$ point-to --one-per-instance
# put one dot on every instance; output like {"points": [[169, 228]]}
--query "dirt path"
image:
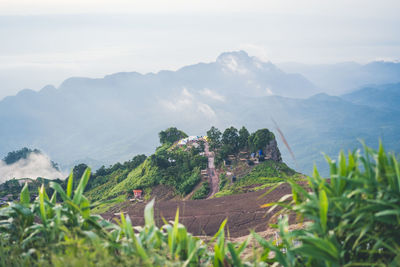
{"points": [[212, 174]]}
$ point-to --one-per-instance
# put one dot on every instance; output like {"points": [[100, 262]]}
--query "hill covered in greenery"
{"points": [[174, 171]]}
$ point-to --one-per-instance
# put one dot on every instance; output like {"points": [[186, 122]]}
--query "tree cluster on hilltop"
{"points": [[231, 141], [171, 135], [23, 153]]}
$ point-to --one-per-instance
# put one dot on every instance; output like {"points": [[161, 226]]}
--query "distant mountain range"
{"points": [[101, 121], [341, 78]]}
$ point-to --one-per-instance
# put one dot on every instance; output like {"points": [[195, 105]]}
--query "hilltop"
{"points": [[183, 167]]}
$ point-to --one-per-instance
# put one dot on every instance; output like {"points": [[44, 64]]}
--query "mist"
{"points": [[34, 166]]}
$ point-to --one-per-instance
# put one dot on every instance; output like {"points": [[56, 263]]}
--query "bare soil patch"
{"points": [[203, 217]]}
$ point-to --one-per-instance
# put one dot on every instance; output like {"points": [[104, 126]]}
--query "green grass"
{"points": [[101, 192], [265, 174], [145, 175], [181, 176], [103, 206], [203, 191]]}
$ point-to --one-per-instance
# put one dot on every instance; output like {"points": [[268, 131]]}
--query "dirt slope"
{"points": [[203, 217]]}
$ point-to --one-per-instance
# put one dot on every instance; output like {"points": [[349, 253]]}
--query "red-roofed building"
{"points": [[137, 193]]}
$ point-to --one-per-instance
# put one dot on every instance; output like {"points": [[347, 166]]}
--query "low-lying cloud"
{"points": [[186, 102], [35, 165], [212, 94]]}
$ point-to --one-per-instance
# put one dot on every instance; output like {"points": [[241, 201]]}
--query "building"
{"points": [[24, 180], [137, 193], [191, 140]]}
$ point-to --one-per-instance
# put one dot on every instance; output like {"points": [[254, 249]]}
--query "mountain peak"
{"points": [[48, 88], [235, 62], [239, 55]]}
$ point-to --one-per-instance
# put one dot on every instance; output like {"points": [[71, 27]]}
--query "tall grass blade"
{"points": [[57, 188], [42, 207], [25, 198], [70, 184], [323, 209], [149, 214], [81, 187]]}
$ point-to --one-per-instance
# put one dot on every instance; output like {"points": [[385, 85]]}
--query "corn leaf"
{"points": [[70, 184], [24, 196]]}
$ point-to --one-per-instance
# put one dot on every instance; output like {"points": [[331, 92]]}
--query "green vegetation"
{"points": [[176, 167], [66, 234], [265, 174], [259, 139], [105, 178], [104, 205], [14, 186], [353, 219], [179, 167], [222, 181], [214, 138], [100, 182], [24, 153], [171, 135], [203, 191], [231, 141], [243, 137]]}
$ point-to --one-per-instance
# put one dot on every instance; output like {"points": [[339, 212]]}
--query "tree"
{"points": [[15, 156], [214, 138], [171, 135], [260, 139], [78, 171], [102, 171], [243, 137], [135, 161], [230, 138]]}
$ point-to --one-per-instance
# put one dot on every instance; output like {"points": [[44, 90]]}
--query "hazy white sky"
{"points": [[46, 41], [359, 8]]}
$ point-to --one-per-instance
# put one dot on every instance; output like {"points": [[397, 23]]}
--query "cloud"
{"points": [[212, 94], [230, 63], [269, 91], [206, 110], [35, 165], [187, 103], [258, 51], [180, 103]]}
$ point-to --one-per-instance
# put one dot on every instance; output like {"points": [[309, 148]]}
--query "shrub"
{"points": [[353, 218], [222, 180], [187, 186], [202, 192]]}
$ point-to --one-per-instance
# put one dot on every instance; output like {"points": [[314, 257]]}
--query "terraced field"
{"points": [[203, 217]]}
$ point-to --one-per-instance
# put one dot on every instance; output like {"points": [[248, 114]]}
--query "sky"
{"points": [[46, 41]]}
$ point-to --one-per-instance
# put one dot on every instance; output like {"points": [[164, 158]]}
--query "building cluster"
{"points": [[192, 140]]}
